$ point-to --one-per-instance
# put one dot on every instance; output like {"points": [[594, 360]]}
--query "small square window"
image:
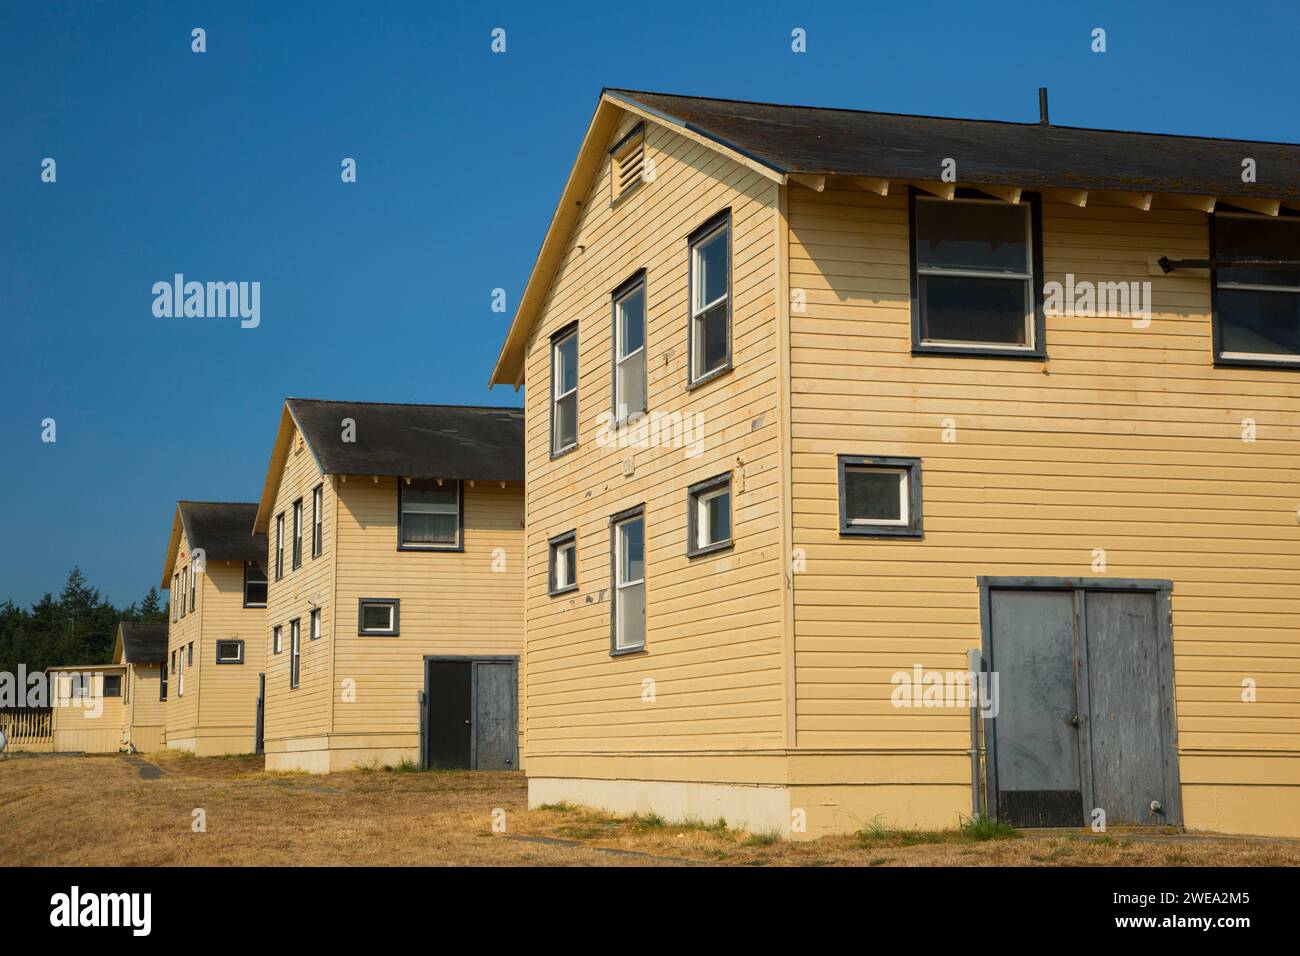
{"points": [[112, 685], [973, 269], [880, 497], [563, 563], [230, 652], [708, 516], [378, 616]]}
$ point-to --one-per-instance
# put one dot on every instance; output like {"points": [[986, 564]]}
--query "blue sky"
{"points": [[225, 166]]}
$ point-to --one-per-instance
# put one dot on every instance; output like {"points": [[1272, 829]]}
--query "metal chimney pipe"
{"points": [[1042, 107]]}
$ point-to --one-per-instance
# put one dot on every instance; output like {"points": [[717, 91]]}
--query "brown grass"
{"points": [[72, 811]]}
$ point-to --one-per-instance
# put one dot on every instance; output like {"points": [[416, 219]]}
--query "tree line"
{"points": [[77, 627]]}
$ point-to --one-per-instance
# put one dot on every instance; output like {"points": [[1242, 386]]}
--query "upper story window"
{"points": [[563, 563], [313, 630], [317, 520], [708, 518], [194, 581], [429, 514], [297, 534], [629, 347], [628, 606], [174, 599], [974, 291], [1257, 310], [185, 587], [254, 585], [709, 343], [564, 390], [162, 681], [627, 164], [112, 685], [279, 546], [277, 639]]}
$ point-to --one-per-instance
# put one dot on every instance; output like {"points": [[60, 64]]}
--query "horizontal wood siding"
{"points": [[714, 623], [1127, 440]]}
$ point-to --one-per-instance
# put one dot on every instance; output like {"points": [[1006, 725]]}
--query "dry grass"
{"points": [[73, 811]]}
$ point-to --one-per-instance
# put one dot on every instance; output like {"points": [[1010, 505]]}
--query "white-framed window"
{"points": [[564, 390], [254, 585], [378, 616], [194, 581], [628, 606], [174, 597], [317, 520], [880, 496], [185, 588], [295, 651], [230, 652], [277, 639], [708, 524], [563, 549], [180, 672], [313, 627], [297, 534], [630, 348], [1257, 310], [428, 514], [973, 262], [279, 546], [710, 299]]}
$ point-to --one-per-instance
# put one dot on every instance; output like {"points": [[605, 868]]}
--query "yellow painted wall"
{"points": [[144, 715], [92, 724], [714, 623]]}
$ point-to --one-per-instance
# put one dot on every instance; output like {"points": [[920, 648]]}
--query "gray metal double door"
{"points": [[471, 717], [1085, 714]]}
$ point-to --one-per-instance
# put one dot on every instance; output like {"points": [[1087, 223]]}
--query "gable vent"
{"points": [[627, 164]]}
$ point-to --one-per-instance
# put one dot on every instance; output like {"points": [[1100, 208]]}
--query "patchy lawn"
{"points": [[73, 811]]}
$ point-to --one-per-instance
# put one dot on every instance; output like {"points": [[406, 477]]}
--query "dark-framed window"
{"points": [[185, 588], [629, 358], [317, 520], [173, 660], [180, 672], [976, 276], [313, 625], [295, 651], [1256, 311], [194, 582], [279, 546], [189, 655], [230, 652], [708, 516], [162, 682], [277, 639], [430, 514], [627, 622], [562, 563], [627, 164], [379, 616], [175, 602], [112, 685], [709, 289], [564, 390], [880, 497], [254, 585], [297, 534]]}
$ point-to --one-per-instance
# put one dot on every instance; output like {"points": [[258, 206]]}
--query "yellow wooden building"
{"points": [[394, 627], [821, 401], [87, 710], [141, 649], [215, 652]]}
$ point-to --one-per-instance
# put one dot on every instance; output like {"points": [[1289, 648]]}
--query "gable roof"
{"points": [[140, 643], [223, 529], [786, 143], [396, 440]]}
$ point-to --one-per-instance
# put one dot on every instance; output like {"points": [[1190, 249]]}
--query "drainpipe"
{"points": [[974, 666]]}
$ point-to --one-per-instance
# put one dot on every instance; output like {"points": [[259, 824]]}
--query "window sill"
{"points": [[714, 548], [565, 590], [563, 451], [880, 531], [1221, 361], [981, 351], [706, 379], [379, 634], [625, 651], [446, 549]]}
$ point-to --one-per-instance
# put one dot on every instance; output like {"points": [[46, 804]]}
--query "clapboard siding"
{"points": [[714, 623], [1126, 439]]}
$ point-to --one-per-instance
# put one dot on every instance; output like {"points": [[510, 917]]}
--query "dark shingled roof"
{"points": [[816, 140], [144, 643], [414, 441], [223, 529]]}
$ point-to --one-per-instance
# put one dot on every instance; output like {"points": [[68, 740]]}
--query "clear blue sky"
{"points": [[225, 166]]}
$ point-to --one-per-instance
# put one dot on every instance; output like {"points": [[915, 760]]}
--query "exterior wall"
{"points": [[357, 699], [93, 727], [1126, 439], [715, 624], [217, 712], [144, 716]]}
